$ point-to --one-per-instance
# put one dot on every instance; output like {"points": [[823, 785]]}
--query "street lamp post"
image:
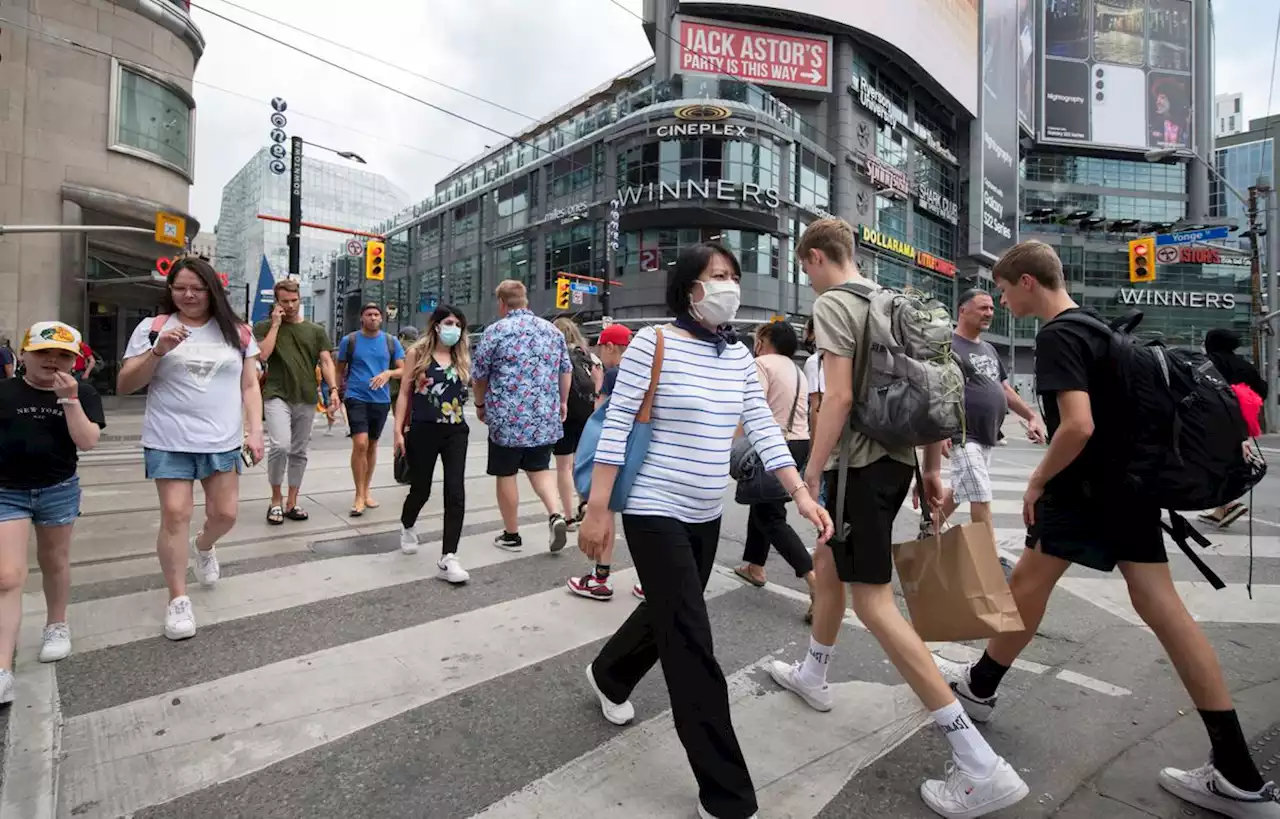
{"points": [[295, 198]]}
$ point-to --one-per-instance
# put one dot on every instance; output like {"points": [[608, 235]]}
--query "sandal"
{"points": [[275, 515], [742, 573], [297, 513]]}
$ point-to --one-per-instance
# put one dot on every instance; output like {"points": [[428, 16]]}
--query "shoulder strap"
{"points": [[795, 402], [350, 340], [1085, 320], [246, 336], [157, 324], [655, 370], [391, 350]]}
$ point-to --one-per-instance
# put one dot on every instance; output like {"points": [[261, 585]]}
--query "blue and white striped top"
{"points": [[700, 399]]}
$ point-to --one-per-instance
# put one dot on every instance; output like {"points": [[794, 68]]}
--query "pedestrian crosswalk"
{"points": [[357, 685]]}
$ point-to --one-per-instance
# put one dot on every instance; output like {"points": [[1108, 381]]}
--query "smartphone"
{"points": [[246, 455], [1118, 105]]}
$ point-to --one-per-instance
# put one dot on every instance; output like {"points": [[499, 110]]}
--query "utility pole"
{"points": [[1272, 406], [1255, 273], [295, 208]]}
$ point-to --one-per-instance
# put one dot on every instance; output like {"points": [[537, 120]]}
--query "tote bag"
{"points": [[637, 442]]}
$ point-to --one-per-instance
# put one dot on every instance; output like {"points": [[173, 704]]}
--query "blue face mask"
{"points": [[449, 334]]}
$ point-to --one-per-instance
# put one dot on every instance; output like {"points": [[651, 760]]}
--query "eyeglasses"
{"points": [[189, 291]]}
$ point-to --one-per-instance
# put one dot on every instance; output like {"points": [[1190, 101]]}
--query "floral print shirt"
{"points": [[521, 357], [438, 396]]}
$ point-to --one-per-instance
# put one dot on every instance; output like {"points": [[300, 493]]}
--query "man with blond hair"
{"points": [[521, 375], [876, 481]]}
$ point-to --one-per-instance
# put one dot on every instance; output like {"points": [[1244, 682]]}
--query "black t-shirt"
{"points": [[36, 450], [1072, 357]]}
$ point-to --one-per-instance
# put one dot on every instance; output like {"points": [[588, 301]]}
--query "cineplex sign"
{"points": [[928, 261]]}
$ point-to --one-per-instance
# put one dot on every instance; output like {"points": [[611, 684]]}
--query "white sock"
{"points": [[969, 747], [814, 668]]}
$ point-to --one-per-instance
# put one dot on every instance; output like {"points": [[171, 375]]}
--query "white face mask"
{"points": [[449, 334], [719, 303]]}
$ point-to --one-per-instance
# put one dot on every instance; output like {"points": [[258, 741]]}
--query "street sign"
{"points": [[1187, 237], [577, 297], [171, 229], [584, 287], [355, 247], [1167, 254]]}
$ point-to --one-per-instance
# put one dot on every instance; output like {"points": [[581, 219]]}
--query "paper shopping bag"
{"points": [[955, 587]]}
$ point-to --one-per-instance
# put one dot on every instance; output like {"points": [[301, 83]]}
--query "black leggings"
{"points": [[448, 442]]}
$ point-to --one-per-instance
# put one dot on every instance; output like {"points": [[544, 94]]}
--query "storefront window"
{"points": [[464, 280], [673, 161], [757, 252], [654, 250], [568, 251], [151, 118], [932, 236]]}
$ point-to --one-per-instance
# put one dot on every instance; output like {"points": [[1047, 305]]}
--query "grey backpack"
{"points": [[908, 388]]}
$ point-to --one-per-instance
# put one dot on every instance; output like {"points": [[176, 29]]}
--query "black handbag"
{"points": [[400, 466], [755, 483]]}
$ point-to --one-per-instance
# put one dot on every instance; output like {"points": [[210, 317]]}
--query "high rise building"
{"points": [[1228, 114], [339, 194]]}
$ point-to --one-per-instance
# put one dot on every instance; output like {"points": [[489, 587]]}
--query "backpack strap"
{"points": [[246, 337], [391, 350], [1086, 320], [1180, 530], [157, 324], [795, 402]]}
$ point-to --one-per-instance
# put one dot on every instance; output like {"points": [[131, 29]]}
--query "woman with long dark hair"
{"points": [[199, 364], [706, 386], [436, 384]]}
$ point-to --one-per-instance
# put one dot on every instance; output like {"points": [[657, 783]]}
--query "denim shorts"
{"points": [[55, 505], [189, 466]]}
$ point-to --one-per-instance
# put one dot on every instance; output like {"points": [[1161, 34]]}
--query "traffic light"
{"points": [[375, 260], [562, 294], [1142, 260]]}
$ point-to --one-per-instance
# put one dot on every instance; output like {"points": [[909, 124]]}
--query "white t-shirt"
{"points": [[814, 374], [194, 398]]}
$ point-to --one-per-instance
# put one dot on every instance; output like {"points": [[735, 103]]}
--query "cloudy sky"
{"points": [[530, 57]]}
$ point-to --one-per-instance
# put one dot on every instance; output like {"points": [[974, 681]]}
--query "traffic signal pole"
{"points": [[295, 208]]}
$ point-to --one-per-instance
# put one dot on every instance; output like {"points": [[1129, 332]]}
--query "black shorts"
{"points": [[873, 495], [505, 461], [572, 434], [1097, 533], [365, 418]]}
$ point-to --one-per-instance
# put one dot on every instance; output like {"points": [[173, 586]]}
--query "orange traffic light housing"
{"points": [[375, 261], [1142, 260], [562, 294]]}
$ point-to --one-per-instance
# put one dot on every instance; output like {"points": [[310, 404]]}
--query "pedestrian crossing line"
{"points": [[800, 759], [1206, 604], [956, 652], [118, 760], [33, 746]]}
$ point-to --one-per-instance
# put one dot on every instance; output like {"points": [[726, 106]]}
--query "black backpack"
{"points": [[582, 389], [1185, 428]]}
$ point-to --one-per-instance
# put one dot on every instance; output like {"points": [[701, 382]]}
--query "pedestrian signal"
{"points": [[562, 294], [1142, 260], [374, 261]]}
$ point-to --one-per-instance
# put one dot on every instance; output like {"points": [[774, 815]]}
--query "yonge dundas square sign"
{"points": [[764, 56]]}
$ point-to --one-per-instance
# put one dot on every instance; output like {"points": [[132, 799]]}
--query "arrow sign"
{"points": [[813, 75], [1191, 236]]}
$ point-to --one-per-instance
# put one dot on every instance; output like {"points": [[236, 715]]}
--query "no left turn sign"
{"points": [[1168, 254]]}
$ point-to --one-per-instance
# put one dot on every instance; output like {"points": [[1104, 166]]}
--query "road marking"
{"points": [[117, 762], [801, 759], [1092, 684], [30, 788], [1206, 604]]}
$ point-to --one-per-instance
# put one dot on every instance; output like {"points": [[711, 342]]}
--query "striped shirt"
{"points": [[700, 399]]}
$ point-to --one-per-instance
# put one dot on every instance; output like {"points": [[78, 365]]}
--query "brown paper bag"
{"points": [[955, 587]]}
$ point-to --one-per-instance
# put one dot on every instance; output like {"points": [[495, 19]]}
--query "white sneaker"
{"points": [[451, 570], [617, 713], [409, 540], [206, 564], [964, 796], [1208, 789], [56, 644], [818, 697], [179, 620], [6, 686], [956, 676], [703, 813]]}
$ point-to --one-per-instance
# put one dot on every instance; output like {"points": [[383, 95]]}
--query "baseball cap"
{"points": [[373, 305], [51, 335], [408, 334], [615, 334]]}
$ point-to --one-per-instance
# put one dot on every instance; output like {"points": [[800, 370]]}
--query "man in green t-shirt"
{"points": [[291, 348]]}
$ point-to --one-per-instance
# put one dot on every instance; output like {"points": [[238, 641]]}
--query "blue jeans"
{"points": [[55, 505], [188, 466]]}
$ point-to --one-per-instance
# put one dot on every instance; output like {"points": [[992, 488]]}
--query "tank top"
{"points": [[439, 396]]}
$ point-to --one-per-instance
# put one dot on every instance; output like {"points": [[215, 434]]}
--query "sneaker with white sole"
{"points": [[206, 564], [179, 620], [965, 796], [703, 813], [590, 585], [637, 592], [409, 540], [56, 643], [559, 532], [6, 686], [817, 697], [615, 712], [1208, 789], [509, 542], [451, 570], [956, 676]]}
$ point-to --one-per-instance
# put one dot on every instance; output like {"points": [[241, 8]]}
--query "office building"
{"points": [[1228, 114]]}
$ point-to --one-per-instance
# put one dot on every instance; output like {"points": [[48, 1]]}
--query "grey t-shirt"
{"points": [[985, 404]]}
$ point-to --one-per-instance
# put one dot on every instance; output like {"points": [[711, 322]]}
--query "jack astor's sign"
{"points": [[723, 189], [1176, 298], [928, 261]]}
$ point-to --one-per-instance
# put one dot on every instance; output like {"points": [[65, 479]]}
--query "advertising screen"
{"points": [[999, 118], [1117, 73], [764, 56], [1026, 64], [939, 35]]}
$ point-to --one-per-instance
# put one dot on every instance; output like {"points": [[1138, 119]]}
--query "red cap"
{"points": [[615, 334]]}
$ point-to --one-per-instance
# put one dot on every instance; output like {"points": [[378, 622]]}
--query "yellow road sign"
{"points": [[171, 229]]}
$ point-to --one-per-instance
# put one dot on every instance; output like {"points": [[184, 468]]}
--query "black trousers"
{"points": [[767, 526], [448, 443], [674, 561]]}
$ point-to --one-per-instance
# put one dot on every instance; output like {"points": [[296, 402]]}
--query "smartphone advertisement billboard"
{"points": [[1027, 64], [998, 198], [1117, 73]]}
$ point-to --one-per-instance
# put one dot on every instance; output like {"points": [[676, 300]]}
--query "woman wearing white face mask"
{"points": [[435, 390], [707, 384]]}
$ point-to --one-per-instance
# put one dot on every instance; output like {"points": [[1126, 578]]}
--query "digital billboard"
{"points": [[1027, 64], [1117, 73], [763, 56], [998, 116], [939, 35]]}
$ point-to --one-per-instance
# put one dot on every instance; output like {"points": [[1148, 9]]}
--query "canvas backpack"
{"points": [[582, 388]]}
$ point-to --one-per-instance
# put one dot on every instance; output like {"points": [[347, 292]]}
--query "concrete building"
{"points": [[98, 133], [206, 244], [1228, 114]]}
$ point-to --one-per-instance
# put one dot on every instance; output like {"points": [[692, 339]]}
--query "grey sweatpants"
{"points": [[288, 437]]}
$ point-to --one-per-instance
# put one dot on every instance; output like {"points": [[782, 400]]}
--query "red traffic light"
{"points": [[376, 250], [1140, 250]]}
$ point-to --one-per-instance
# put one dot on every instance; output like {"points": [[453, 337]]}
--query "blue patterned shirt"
{"points": [[522, 357]]}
